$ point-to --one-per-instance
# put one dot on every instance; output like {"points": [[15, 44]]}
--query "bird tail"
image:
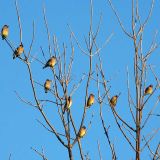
{"points": [[46, 91], [44, 67], [111, 104], [3, 37], [14, 56], [63, 110]]}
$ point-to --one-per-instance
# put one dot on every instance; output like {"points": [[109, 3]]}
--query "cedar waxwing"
{"points": [[90, 100], [68, 104], [5, 31], [47, 85], [19, 50], [51, 62], [148, 90], [113, 101], [82, 132]]}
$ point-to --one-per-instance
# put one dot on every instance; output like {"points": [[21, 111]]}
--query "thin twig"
{"points": [[19, 21], [99, 150], [33, 37], [48, 34], [39, 153]]}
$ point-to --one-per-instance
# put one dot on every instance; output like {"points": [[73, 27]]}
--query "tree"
{"points": [[95, 88]]}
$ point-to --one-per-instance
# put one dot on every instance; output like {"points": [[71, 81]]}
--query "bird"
{"points": [[47, 85], [67, 104], [148, 90], [5, 31], [19, 50], [90, 100], [51, 62], [113, 101], [82, 132]]}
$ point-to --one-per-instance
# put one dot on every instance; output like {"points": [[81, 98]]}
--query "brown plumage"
{"points": [[82, 132], [51, 62], [5, 31], [67, 104], [113, 101], [19, 50], [90, 100], [47, 85], [148, 90]]}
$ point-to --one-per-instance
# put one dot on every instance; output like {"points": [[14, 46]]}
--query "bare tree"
{"points": [[60, 63]]}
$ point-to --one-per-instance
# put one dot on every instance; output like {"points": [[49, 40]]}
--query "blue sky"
{"points": [[19, 130]]}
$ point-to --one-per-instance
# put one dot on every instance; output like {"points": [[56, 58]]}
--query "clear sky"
{"points": [[19, 130]]}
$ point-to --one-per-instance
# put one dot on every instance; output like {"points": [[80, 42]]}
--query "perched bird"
{"points": [[19, 50], [148, 90], [51, 62], [90, 100], [47, 85], [82, 132], [113, 101], [5, 31], [67, 104]]}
